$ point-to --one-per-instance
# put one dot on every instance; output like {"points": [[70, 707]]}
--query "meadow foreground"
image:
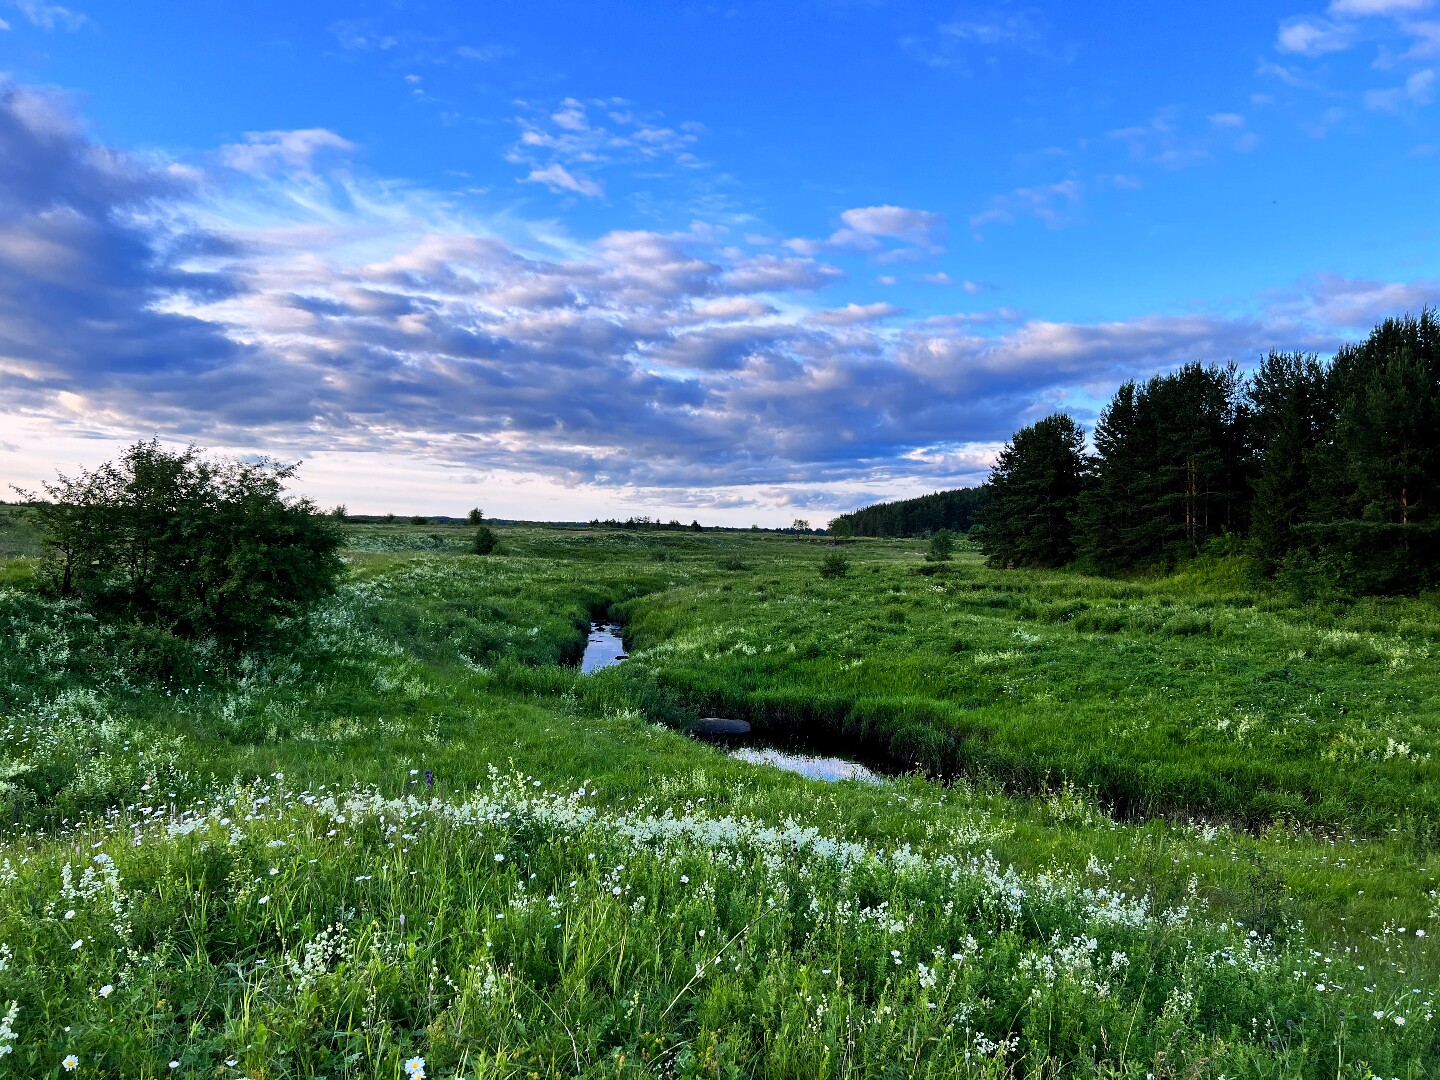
{"points": [[1177, 827]]}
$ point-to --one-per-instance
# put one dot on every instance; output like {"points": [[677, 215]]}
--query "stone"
{"points": [[717, 725]]}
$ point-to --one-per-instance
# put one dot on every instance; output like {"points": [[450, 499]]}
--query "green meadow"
{"points": [[1182, 826]]}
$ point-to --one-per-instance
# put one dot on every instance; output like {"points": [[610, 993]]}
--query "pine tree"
{"points": [[1113, 528], [1034, 491], [1171, 469], [1293, 419], [1382, 472]]}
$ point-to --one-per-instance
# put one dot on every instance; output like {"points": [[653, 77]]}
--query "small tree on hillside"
{"points": [[942, 546], [1034, 489], [192, 546]]}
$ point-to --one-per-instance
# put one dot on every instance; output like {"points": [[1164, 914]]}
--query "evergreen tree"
{"points": [[1034, 491], [1171, 469], [1292, 420], [1113, 529], [1201, 424], [1382, 470]]}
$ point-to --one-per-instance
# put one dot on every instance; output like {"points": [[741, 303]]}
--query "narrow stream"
{"points": [[604, 648]]}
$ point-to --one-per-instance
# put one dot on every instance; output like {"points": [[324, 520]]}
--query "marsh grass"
{"points": [[260, 871]]}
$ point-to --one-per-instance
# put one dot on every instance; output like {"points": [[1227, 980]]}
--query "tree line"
{"points": [[1324, 470], [954, 510]]}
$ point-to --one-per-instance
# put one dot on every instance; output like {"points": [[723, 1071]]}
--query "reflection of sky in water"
{"points": [[602, 649], [817, 768]]}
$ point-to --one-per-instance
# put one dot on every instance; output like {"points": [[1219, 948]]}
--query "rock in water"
{"points": [[717, 725]]}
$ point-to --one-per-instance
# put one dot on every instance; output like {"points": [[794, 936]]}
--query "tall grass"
{"points": [[413, 831]]}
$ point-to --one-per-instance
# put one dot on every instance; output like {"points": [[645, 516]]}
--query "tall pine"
{"points": [[1293, 421], [1381, 474], [1035, 490]]}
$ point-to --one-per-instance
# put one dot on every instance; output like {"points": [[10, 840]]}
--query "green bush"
{"points": [[484, 542], [195, 547], [834, 565], [942, 546]]}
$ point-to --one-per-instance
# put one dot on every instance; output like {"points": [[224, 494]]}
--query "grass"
{"points": [[580, 889]]}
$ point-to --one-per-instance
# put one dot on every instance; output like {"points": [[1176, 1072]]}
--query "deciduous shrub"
{"points": [[195, 547]]}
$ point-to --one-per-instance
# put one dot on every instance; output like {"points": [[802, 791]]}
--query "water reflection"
{"points": [[816, 768], [603, 648]]}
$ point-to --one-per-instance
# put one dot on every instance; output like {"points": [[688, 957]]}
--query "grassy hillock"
{"points": [[411, 830]]}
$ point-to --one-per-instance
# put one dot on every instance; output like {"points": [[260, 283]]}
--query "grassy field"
{"points": [[1180, 827]]}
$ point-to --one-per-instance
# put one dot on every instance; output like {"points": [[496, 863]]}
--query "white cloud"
{"points": [[1047, 202], [1377, 7], [898, 222], [854, 314], [1426, 37], [565, 145], [1312, 37], [49, 16], [558, 178], [1227, 120], [1419, 89], [865, 228], [484, 54], [264, 151]]}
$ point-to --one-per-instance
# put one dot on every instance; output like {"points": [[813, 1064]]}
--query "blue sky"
{"points": [[737, 262]]}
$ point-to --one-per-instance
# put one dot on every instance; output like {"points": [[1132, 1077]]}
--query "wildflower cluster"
{"points": [[474, 921]]}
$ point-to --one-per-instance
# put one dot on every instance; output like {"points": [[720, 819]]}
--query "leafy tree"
{"points": [[800, 525], [338, 512], [841, 527], [695, 526], [942, 546], [1035, 487], [419, 519], [485, 541], [476, 516], [190, 546]]}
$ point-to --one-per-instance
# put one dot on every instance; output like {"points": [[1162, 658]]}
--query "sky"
{"points": [[737, 262]]}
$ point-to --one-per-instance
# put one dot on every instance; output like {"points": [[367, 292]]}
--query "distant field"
{"points": [[1181, 827], [17, 535]]}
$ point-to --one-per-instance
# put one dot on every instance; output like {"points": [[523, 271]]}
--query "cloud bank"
{"points": [[278, 302]]}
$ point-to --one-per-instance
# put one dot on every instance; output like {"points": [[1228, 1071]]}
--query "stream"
{"points": [[604, 648]]}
